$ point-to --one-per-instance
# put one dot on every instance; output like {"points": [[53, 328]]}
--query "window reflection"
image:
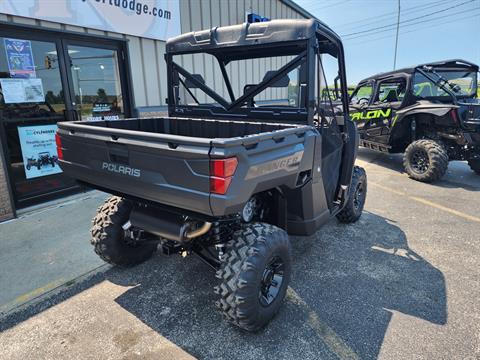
{"points": [[96, 81]]}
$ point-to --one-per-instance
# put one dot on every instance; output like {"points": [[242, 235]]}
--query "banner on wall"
{"points": [[39, 150], [155, 19]]}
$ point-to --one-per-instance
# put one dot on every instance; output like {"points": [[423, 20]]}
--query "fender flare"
{"points": [[434, 111], [439, 110]]}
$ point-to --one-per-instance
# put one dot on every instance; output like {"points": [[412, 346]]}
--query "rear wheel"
{"points": [[425, 160], [108, 235], [356, 197], [475, 165], [254, 275]]}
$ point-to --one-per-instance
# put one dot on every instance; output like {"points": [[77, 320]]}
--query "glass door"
{"points": [[32, 101], [96, 82], [48, 77]]}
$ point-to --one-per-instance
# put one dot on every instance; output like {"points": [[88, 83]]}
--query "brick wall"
{"points": [[6, 211]]}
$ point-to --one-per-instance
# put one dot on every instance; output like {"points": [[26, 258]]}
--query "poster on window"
{"points": [[20, 58], [22, 90], [39, 150]]}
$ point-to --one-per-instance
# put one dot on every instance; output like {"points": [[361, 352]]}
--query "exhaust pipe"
{"points": [[165, 224], [199, 232]]}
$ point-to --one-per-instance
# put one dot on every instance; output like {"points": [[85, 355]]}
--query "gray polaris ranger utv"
{"points": [[430, 112], [249, 153]]}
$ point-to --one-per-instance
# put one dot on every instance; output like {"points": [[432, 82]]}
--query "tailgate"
{"points": [[167, 169]]}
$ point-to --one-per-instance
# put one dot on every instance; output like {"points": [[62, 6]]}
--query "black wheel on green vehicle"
{"points": [[254, 274], [109, 236], [474, 165], [425, 160], [356, 197]]}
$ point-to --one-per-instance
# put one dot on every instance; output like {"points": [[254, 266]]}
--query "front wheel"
{"points": [[108, 235], [425, 160], [474, 165], [356, 197], [254, 275]]}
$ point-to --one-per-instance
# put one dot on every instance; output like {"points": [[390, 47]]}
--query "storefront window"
{"points": [[96, 83], [46, 79], [32, 101]]}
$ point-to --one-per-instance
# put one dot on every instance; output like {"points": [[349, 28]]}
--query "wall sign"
{"points": [[39, 150], [155, 19]]}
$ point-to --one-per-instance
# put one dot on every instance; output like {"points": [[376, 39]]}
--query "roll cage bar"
{"points": [[298, 60], [236, 103], [441, 82], [321, 39], [428, 71]]}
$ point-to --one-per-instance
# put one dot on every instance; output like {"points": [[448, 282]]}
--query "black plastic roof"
{"points": [[274, 31], [447, 64]]}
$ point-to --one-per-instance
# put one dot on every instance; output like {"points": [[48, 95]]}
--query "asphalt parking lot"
{"points": [[401, 283]]}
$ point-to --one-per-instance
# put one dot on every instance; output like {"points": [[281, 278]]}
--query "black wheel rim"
{"points": [[272, 281], [358, 196], [419, 161]]}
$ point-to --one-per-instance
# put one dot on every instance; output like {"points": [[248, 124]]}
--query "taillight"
{"points": [[221, 172], [219, 185], [58, 141]]}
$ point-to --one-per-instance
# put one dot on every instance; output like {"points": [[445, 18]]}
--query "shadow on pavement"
{"points": [[390, 161], [459, 174], [347, 279]]}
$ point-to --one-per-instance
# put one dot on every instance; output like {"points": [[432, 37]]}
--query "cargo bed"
{"points": [[167, 160], [199, 128]]}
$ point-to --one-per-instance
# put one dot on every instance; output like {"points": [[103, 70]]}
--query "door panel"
{"points": [[379, 118], [389, 95], [359, 102]]}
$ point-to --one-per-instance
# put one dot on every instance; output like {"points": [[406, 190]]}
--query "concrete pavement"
{"points": [[401, 283], [46, 248]]}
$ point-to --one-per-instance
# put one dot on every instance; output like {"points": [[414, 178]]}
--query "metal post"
{"points": [[396, 39]]}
